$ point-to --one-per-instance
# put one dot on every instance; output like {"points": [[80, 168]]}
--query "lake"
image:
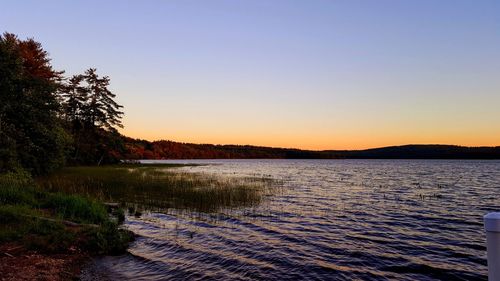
{"points": [[329, 220]]}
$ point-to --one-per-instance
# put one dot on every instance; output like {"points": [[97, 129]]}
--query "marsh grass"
{"points": [[35, 217], [160, 186]]}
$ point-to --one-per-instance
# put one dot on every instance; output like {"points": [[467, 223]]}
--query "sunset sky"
{"points": [[306, 74]]}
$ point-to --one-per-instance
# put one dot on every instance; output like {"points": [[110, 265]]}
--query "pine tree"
{"points": [[74, 96], [93, 116], [101, 110]]}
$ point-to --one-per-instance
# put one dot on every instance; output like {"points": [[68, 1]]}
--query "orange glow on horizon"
{"points": [[347, 142]]}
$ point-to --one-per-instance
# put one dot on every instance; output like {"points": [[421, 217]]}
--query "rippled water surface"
{"points": [[331, 220]]}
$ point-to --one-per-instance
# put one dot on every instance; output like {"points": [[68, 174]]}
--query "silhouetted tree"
{"points": [[101, 110], [74, 97], [31, 135], [93, 116]]}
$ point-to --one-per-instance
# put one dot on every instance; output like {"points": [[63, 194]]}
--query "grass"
{"points": [[159, 186], [36, 218], [66, 210]]}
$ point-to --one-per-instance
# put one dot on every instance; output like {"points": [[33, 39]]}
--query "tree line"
{"points": [[142, 149], [48, 120]]}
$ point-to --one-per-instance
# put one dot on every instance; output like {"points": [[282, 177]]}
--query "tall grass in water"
{"points": [[160, 187]]}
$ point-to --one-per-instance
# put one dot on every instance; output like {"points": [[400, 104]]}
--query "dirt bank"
{"points": [[18, 263]]}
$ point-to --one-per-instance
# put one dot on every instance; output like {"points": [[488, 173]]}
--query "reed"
{"points": [[160, 186]]}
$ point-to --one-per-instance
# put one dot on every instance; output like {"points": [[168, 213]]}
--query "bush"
{"points": [[108, 239]]}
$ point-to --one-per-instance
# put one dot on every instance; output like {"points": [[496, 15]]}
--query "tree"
{"points": [[42, 114], [93, 116], [101, 110], [73, 99], [87, 100], [31, 134]]}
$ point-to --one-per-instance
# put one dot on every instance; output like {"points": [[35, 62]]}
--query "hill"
{"points": [[142, 149]]}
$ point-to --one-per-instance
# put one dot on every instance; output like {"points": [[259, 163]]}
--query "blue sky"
{"points": [[307, 74]]}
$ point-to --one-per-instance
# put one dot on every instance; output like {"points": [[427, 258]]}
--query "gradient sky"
{"points": [[308, 74]]}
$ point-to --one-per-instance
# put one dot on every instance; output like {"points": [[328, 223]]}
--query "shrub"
{"points": [[108, 239]]}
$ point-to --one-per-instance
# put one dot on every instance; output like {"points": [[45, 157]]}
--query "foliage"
{"points": [[31, 135], [108, 239], [88, 103], [46, 119], [91, 115]]}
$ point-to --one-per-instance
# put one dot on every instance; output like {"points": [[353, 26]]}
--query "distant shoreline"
{"points": [[162, 150]]}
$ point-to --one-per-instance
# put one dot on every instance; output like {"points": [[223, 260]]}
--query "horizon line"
{"points": [[320, 150]]}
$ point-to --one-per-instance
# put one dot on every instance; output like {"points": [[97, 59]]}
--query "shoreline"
{"points": [[19, 263]]}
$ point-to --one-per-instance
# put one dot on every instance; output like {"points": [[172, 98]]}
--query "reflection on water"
{"points": [[334, 220]]}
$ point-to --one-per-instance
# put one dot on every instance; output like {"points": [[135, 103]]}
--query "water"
{"points": [[333, 220]]}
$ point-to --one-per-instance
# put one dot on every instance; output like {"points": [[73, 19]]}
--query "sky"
{"points": [[305, 74]]}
